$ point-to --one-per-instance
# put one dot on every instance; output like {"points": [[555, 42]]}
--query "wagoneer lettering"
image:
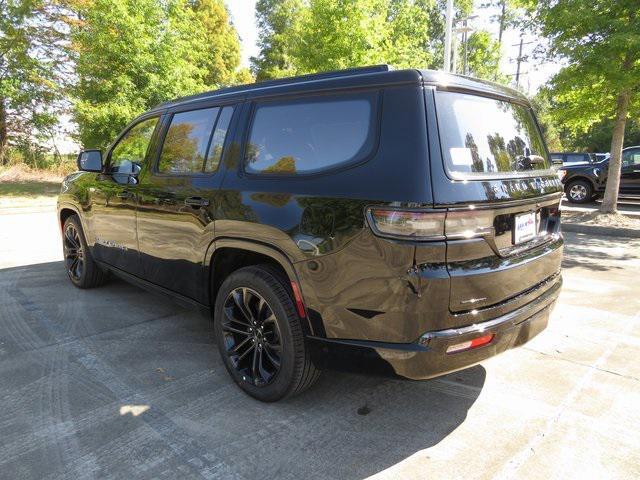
{"points": [[403, 222]]}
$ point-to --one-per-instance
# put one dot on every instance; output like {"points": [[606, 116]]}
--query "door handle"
{"points": [[196, 202]]}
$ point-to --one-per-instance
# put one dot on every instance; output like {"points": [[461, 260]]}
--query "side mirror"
{"points": [[90, 161]]}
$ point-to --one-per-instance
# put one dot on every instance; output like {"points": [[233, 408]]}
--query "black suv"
{"points": [[403, 222], [583, 183]]}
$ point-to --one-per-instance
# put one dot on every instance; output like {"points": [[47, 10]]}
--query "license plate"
{"points": [[524, 227]]}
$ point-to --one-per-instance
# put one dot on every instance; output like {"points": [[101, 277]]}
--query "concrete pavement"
{"points": [[118, 383]]}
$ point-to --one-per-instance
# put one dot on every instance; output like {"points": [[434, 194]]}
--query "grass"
{"points": [[29, 189], [21, 186]]}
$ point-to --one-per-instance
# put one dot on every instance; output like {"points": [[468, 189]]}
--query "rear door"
{"points": [[491, 172]]}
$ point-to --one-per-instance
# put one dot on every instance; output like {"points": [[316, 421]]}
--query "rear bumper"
{"points": [[427, 357]]}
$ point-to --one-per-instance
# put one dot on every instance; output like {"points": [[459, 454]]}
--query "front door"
{"points": [[178, 197], [630, 173], [114, 198]]}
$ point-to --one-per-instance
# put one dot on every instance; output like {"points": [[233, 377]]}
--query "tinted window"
{"points": [[306, 136], [631, 157], [485, 136], [185, 144], [129, 153], [217, 142], [576, 158]]}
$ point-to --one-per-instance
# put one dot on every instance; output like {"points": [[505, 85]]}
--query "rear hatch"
{"points": [[492, 172]]}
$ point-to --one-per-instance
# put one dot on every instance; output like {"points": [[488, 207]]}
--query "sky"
{"points": [[535, 74]]}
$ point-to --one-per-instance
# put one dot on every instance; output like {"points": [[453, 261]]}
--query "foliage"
{"points": [[602, 76], [595, 138], [602, 51], [277, 21], [484, 56], [30, 73], [306, 36], [133, 54]]}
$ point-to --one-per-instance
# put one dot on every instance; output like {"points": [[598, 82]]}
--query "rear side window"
{"points": [[185, 144], [217, 141], [312, 134], [488, 137], [576, 158]]}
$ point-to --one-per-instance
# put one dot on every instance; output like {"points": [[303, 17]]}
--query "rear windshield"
{"points": [[488, 137]]}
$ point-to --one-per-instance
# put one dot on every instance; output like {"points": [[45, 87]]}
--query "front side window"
{"points": [[129, 153], [185, 144], [631, 158], [310, 135], [488, 137]]}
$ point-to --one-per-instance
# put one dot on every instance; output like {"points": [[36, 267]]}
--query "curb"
{"points": [[599, 230]]}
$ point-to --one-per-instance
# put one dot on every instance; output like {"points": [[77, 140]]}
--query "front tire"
{"points": [[81, 268], [579, 191], [259, 335]]}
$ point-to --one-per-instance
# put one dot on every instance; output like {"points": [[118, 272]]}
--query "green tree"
{"points": [[307, 36], [30, 73], [483, 56], [133, 54], [602, 78], [278, 24]]}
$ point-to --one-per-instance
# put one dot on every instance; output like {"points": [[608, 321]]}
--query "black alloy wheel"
{"points": [[82, 270], [73, 252], [252, 337], [260, 334]]}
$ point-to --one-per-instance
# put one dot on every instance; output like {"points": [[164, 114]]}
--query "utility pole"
{"points": [[519, 60], [464, 39], [447, 36]]}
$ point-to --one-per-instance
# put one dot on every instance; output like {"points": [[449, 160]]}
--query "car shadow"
{"points": [[130, 384]]}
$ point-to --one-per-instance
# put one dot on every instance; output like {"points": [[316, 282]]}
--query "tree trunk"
{"points": [[502, 18], [610, 200], [3, 132]]}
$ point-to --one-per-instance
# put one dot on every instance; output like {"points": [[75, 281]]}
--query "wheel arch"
{"points": [[224, 256], [583, 178]]}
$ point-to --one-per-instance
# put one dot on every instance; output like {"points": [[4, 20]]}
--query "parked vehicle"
{"points": [[584, 183], [572, 158], [404, 222]]}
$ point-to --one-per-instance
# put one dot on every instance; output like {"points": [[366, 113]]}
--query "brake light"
{"points": [[561, 173], [470, 344], [410, 224], [430, 224], [469, 223]]}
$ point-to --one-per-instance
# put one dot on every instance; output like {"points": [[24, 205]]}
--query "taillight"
{"points": [[469, 223], [430, 224], [409, 224], [561, 173]]}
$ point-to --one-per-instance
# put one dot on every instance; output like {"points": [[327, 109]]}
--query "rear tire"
{"points": [[579, 191], [81, 268], [259, 335]]}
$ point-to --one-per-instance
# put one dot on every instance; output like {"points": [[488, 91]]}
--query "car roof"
{"points": [[372, 76]]}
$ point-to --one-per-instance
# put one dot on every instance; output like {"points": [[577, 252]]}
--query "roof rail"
{"points": [[283, 81], [348, 72]]}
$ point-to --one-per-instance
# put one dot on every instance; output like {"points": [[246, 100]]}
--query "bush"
{"points": [[35, 159]]}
